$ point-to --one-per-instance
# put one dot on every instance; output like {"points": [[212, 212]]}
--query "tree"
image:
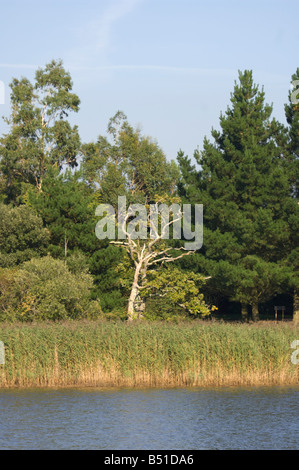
{"points": [[66, 207], [22, 235], [146, 253], [256, 281], [292, 117], [125, 163], [128, 165], [46, 289], [292, 166], [180, 290], [244, 188], [40, 135]]}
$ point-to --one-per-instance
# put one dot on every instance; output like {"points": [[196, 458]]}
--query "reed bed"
{"points": [[199, 353]]}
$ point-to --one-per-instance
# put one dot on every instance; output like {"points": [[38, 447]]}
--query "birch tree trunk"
{"points": [[134, 293], [145, 255]]}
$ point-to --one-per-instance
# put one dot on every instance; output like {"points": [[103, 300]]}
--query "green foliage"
{"points": [[67, 208], [105, 266], [258, 280], [247, 181], [173, 292], [125, 163], [244, 185], [40, 135], [77, 263], [45, 289], [22, 235], [147, 353], [292, 117]]}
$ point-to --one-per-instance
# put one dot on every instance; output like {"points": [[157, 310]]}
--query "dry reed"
{"points": [[199, 353]]}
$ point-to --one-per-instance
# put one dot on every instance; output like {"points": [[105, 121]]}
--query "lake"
{"points": [[150, 419]]}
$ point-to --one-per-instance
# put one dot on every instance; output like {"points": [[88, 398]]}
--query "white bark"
{"points": [[134, 293], [143, 255]]}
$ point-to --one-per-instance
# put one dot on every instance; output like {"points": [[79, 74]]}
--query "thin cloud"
{"points": [[166, 68], [91, 68], [172, 69], [221, 72], [97, 32], [102, 27]]}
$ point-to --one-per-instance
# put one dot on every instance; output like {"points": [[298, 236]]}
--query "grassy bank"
{"points": [[148, 354]]}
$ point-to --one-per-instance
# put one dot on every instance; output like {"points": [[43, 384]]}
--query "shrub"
{"points": [[22, 235], [45, 289]]}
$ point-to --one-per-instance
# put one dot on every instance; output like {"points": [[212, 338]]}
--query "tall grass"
{"points": [[199, 353]]}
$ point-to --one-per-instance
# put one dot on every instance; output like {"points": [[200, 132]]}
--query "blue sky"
{"points": [[170, 65]]}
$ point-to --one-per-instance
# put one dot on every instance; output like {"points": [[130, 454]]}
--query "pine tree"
{"points": [[292, 117], [292, 165], [67, 208], [244, 188]]}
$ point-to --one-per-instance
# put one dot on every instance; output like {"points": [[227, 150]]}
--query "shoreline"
{"points": [[149, 386], [116, 388]]}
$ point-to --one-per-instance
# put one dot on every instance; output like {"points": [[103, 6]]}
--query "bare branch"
{"points": [[168, 259], [164, 227]]}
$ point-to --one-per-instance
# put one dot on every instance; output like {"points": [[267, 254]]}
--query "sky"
{"points": [[169, 65]]}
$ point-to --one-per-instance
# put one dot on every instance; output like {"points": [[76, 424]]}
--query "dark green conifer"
{"points": [[244, 187]]}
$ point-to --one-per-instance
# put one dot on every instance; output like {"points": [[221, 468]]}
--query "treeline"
{"points": [[52, 265]]}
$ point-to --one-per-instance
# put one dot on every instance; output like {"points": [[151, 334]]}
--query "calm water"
{"points": [[130, 419]]}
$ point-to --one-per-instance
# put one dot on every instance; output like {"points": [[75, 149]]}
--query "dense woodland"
{"points": [[52, 265]]}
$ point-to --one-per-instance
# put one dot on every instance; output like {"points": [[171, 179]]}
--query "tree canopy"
{"points": [[250, 218], [54, 266], [40, 135]]}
